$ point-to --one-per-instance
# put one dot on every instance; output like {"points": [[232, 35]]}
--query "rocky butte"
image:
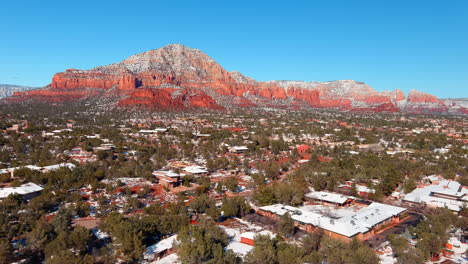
{"points": [[177, 77]]}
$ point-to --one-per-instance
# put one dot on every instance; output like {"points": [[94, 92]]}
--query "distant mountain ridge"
{"points": [[7, 90], [177, 77]]}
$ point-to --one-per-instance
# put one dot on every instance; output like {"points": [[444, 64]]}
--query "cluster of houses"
{"points": [[27, 190], [44, 169], [339, 216]]}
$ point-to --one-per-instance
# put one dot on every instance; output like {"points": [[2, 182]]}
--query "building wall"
{"points": [[311, 228], [247, 241], [446, 196]]}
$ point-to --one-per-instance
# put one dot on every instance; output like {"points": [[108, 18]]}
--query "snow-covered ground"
{"points": [[234, 234], [234, 244], [170, 259], [239, 248], [387, 254]]}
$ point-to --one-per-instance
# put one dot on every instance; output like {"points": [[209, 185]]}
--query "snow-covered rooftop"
{"points": [[37, 168], [360, 221], [170, 174], [22, 190], [195, 169], [441, 186], [156, 130], [159, 247], [329, 197]]}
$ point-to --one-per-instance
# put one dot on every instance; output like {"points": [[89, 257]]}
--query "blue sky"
{"points": [[407, 45]]}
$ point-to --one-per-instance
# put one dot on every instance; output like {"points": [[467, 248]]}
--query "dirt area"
{"points": [[88, 223]]}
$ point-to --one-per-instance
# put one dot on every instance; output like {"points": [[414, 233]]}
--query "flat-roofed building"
{"points": [[361, 224], [168, 179], [330, 198], [195, 170], [27, 191], [238, 149], [439, 192]]}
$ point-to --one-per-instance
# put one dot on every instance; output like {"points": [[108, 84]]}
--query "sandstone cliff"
{"points": [[176, 76]]}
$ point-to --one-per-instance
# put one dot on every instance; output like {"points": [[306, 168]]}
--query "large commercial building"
{"points": [[360, 221], [439, 192], [27, 191]]}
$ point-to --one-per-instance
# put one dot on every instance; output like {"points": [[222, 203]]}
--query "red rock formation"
{"points": [[202, 100], [56, 95], [168, 98], [74, 79], [420, 97], [142, 79], [399, 95], [127, 82], [159, 98]]}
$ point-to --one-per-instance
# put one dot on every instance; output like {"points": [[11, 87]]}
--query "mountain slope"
{"points": [[7, 90], [176, 76]]}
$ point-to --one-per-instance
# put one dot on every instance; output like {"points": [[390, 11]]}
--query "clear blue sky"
{"points": [[387, 44]]}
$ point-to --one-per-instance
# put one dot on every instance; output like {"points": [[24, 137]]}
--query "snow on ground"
{"points": [[170, 259], [239, 248], [251, 227], [233, 233], [458, 247], [387, 254], [387, 259], [234, 244]]}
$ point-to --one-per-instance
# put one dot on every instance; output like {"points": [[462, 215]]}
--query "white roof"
{"points": [[58, 166], [159, 247], [201, 135], [240, 148], [37, 168], [442, 186], [22, 190], [156, 130], [252, 235], [363, 188], [239, 248], [195, 169], [329, 197], [170, 173], [359, 222], [8, 170]]}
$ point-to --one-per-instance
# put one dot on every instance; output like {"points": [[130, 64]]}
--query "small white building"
{"points": [[439, 193], [160, 249], [153, 131], [195, 170], [238, 149], [27, 191]]}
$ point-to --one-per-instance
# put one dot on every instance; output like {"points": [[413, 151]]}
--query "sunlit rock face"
{"points": [[176, 76]]}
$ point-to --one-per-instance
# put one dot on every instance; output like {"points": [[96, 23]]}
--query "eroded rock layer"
{"points": [[176, 76]]}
